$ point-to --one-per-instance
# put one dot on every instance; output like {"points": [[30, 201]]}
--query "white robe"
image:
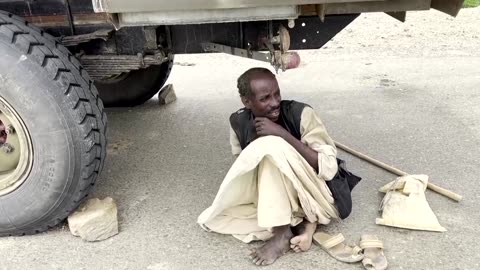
{"points": [[270, 184]]}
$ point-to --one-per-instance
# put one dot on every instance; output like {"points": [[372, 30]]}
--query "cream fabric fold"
{"points": [[270, 184]]}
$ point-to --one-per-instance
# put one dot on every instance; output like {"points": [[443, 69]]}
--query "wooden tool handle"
{"points": [[445, 192]]}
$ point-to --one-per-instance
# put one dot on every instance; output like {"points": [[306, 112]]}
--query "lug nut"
{"points": [[7, 148], [10, 129], [291, 23]]}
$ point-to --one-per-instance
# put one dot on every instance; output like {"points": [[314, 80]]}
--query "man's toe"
{"points": [[259, 262], [295, 240], [267, 262]]}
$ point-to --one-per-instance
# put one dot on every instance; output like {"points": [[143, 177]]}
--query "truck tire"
{"points": [[53, 133], [136, 87]]}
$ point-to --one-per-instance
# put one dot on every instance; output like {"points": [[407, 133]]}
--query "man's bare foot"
{"points": [[303, 240], [277, 246]]}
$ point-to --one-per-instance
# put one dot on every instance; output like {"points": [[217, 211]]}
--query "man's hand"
{"points": [[265, 127]]}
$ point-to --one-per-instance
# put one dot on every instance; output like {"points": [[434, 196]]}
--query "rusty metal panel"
{"points": [[62, 20], [33, 8], [120, 6], [52, 15]]}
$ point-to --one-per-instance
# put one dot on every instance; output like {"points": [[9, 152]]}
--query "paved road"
{"points": [[416, 111]]}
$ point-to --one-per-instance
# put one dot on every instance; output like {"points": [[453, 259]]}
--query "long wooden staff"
{"points": [[445, 192]]}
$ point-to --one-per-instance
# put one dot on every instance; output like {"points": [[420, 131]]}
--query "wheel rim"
{"points": [[16, 149]]}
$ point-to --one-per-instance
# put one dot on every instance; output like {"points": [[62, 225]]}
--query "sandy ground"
{"points": [[404, 93]]}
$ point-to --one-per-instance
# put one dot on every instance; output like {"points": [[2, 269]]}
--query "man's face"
{"points": [[265, 99]]}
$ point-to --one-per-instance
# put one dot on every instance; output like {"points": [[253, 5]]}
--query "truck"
{"points": [[63, 61]]}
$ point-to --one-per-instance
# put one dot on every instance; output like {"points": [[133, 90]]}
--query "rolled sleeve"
{"points": [[235, 143], [327, 162], [314, 134]]}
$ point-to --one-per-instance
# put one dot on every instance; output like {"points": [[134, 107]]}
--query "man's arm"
{"points": [[310, 155], [234, 143], [266, 127], [315, 135], [315, 146]]}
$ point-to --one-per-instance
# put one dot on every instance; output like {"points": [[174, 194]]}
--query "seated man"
{"points": [[276, 190]]}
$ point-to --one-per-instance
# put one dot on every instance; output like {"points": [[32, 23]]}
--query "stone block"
{"points": [[167, 95], [95, 220]]}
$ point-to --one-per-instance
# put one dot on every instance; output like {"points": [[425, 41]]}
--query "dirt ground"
{"points": [[405, 93]]}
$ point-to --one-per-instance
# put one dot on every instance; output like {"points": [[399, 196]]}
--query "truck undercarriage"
{"points": [[114, 37], [55, 54]]}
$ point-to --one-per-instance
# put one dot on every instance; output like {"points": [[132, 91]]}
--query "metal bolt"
{"points": [[291, 23], [7, 148], [9, 129]]}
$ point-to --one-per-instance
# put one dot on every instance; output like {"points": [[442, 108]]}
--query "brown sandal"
{"points": [[373, 251]]}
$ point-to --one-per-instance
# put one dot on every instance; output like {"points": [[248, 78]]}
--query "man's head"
{"points": [[260, 93]]}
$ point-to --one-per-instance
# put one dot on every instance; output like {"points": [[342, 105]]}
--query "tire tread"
{"points": [[87, 109]]}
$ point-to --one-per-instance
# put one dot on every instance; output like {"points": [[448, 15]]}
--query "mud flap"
{"points": [[451, 7]]}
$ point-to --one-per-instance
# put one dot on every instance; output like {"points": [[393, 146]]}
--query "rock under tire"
{"points": [[65, 118]]}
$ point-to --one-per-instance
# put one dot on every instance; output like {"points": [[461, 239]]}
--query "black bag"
{"points": [[341, 187]]}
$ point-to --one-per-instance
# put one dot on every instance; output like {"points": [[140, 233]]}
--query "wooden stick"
{"points": [[445, 192]]}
